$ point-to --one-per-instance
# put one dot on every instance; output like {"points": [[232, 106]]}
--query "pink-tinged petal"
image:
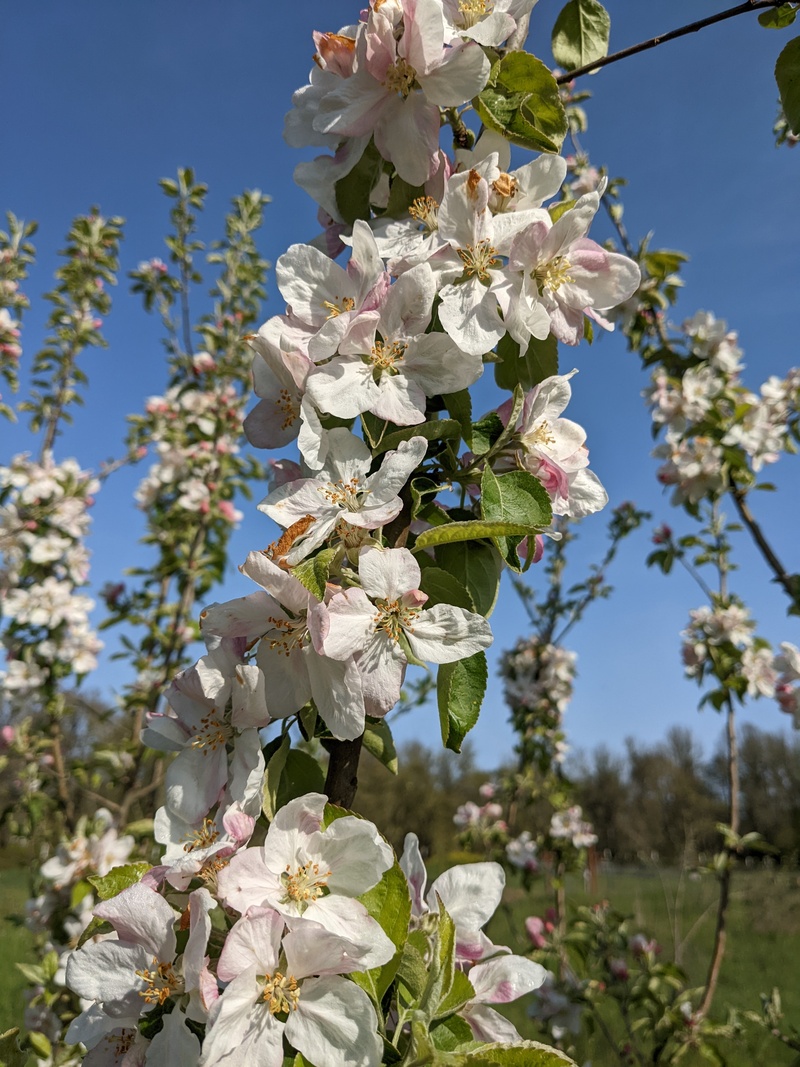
{"points": [[246, 616], [344, 387], [253, 941], [470, 892], [422, 43], [335, 1024], [243, 1032], [269, 426], [174, 1044], [209, 989], [303, 815], [409, 302], [106, 971], [350, 622], [286, 589], [505, 978], [195, 780], [387, 573], [408, 136], [571, 226], [400, 400], [143, 917], [606, 278], [238, 825], [489, 1025], [586, 494], [308, 279], [246, 881], [92, 1025], [462, 77], [356, 854], [248, 697], [336, 689], [342, 938], [413, 868], [194, 955], [354, 108], [444, 634], [318, 176], [382, 666], [438, 365]]}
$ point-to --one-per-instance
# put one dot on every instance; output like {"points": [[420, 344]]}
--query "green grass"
{"points": [[17, 946], [762, 950]]}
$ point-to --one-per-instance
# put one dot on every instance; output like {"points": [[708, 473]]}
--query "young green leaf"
{"points": [[581, 34]]}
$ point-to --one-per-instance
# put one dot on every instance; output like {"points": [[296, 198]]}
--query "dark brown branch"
{"points": [[775, 565], [342, 779], [692, 27]]}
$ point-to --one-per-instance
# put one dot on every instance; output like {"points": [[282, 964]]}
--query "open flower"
{"points": [[344, 498], [382, 618]]}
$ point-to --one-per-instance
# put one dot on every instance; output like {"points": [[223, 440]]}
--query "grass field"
{"points": [[764, 940]]}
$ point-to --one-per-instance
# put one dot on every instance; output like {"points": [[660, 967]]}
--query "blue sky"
{"points": [[101, 100]]}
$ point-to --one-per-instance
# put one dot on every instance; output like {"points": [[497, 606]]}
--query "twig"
{"points": [[643, 46], [775, 565]]}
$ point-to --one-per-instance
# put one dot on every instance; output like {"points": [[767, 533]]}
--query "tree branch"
{"points": [[692, 27], [745, 514]]}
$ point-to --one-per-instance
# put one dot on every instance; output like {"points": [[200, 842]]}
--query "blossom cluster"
{"points": [[44, 520], [192, 429], [538, 680], [276, 935], [708, 415]]}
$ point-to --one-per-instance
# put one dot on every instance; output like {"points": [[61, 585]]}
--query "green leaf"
{"points": [[472, 530], [787, 75], [423, 490], [302, 774], [439, 429], [40, 1044], [461, 991], [486, 431], [443, 588], [353, 191], [460, 687], [581, 33], [378, 741], [524, 1054], [442, 964], [389, 904], [459, 405], [313, 573], [477, 567], [272, 778], [539, 361], [412, 972], [33, 972], [451, 1033], [519, 498], [401, 197], [11, 1055], [522, 102], [778, 18], [96, 926], [118, 878]]}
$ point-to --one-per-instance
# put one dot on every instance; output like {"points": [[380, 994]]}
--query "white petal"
{"points": [[335, 1025]]}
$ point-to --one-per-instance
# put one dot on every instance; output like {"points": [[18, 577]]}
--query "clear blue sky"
{"points": [[101, 100]]}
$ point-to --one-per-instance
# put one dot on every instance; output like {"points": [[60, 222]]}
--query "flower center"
{"points": [[542, 435], [304, 885], [287, 407], [212, 733], [553, 274], [471, 11], [400, 77], [425, 210], [280, 992], [386, 353], [479, 259], [335, 308], [161, 982], [393, 617], [202, 838], [505, 186], [344, 495], [286, 635]]}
